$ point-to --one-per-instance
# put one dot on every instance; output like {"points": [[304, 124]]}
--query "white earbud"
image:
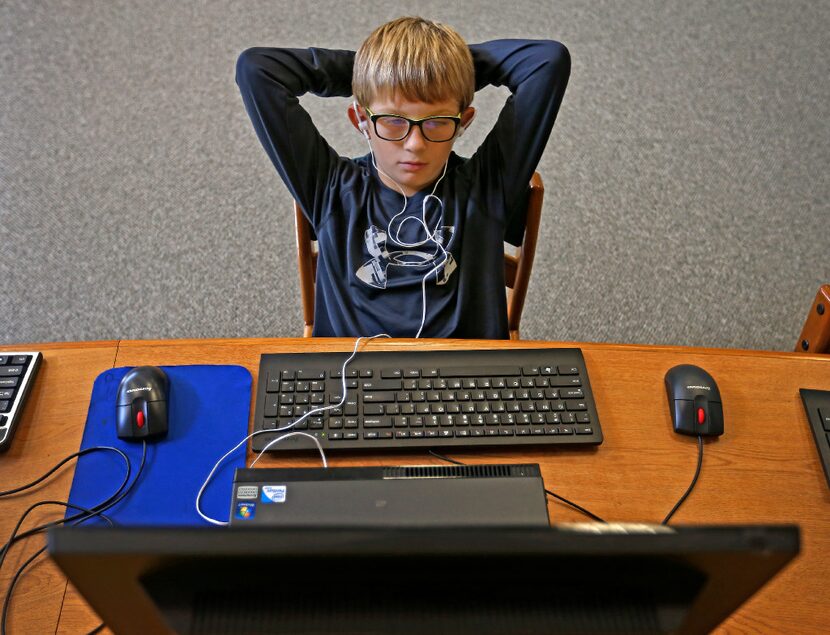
{"points": [[461, 130], [362, 124]]}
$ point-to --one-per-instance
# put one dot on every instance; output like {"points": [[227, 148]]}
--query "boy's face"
{"points": [[413, 161]]}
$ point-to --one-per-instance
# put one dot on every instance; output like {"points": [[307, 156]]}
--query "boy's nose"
{"points": [[415, 140]]}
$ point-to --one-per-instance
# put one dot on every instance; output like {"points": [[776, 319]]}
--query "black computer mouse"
{"points": [[694, 401], [141, 404]]}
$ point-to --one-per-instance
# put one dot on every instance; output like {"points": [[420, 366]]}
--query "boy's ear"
{"points": [[353, 117], [467, 116]]}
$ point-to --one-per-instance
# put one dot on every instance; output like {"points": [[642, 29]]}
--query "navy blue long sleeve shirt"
{"points": [[366, 282]]}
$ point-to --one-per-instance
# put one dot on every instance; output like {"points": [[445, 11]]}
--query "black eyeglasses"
{"points": [[396, 127]]}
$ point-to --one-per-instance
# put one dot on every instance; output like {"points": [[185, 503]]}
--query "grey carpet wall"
{"points": [[686, 177]]}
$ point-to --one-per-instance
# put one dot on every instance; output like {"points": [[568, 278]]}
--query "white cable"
{"points": [[430, 237], [286, 436], [423, 223], [213, 521]]}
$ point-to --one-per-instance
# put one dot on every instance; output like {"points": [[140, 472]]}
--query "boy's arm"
{"points": [[270, 80], [536, 72]]}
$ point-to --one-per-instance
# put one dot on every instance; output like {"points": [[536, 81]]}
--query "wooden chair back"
{"points": [[815, 335], [517, 265]]}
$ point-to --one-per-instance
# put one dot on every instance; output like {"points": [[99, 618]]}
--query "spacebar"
{"points": [[481, 371]]}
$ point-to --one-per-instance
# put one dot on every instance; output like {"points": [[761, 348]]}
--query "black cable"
{"points": [[8, 599], [57, 467], [691, 486], [87, 514], [101, 506], [22, 568], [445, 458], [547, 491], [578, 508]]}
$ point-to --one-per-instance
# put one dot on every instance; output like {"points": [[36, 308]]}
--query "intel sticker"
{"points": [[245, 511], [273, 494], [247, 491]]}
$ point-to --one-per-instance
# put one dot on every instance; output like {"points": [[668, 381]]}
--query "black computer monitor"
{"points": [[593, 579]]}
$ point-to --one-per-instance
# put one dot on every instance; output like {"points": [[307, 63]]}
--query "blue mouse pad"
{"points": [[208, 409]]}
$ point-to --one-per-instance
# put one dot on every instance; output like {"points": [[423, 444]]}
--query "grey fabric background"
{"points": [[686, 177]]}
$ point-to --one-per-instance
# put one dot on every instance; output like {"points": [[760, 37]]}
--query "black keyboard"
{"points": [[817, 406], [406, 399], [17, 374]]}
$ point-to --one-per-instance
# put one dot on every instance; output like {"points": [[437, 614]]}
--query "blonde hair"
{"points": [[420, 59]]}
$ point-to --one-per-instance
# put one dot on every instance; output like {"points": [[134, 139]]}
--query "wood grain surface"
{"points": [[764, 469], [50, 429]]}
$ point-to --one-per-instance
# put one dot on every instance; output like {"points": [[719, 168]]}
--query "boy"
{"points": [[410, 236]]}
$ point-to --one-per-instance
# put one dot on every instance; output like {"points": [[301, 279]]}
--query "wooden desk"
{"points": [[764, 469]]}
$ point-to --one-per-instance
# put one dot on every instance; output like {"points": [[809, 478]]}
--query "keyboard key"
{"points": [[11, 371], [382, 384], [562, 382], [272, 405], [377, 422], [311, 374], [481, 371]]}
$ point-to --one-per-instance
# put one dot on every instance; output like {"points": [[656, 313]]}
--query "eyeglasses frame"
{"points": [[373, 117]]}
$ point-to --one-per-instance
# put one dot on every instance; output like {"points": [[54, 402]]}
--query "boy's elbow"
{"points": [[557, 56], [246, 65]]}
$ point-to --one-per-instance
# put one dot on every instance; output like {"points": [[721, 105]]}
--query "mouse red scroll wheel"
{"points": [[139, 419], [701, 416]]}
